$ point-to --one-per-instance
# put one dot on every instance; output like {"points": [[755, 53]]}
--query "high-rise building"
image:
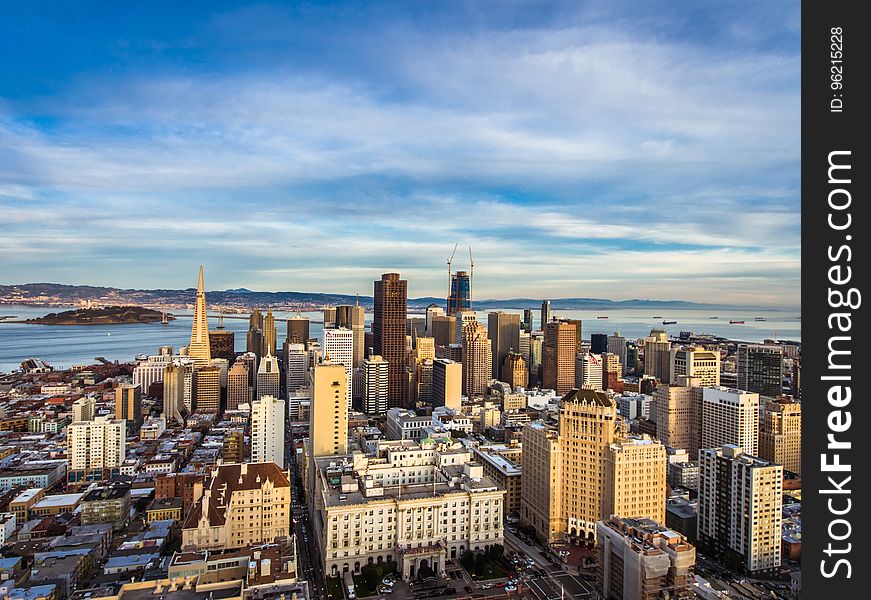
{"points": [[447, 383], [270, 334], [503, 329], [150, 371], [697, 363], [657, 356], [477, 360], [375, 386], [353, 318], [460, 296], [639, 559], [268, 378], [527, 324], [294, 360], [222, 343], [617, 346], [267, 430], [175, 376], [238, 390], [199, 349], [444, 330], [514, 370], [328, 417], [525, 339], [330, 317], [760, 369], [740, 507], [730, 417], [433, 310], [465, 319], [598, 343], [206, 385], [298, 330], [677, 415], [338, 346], [84, 409], [128, 404], [545, 313], [586, 469], [388, 332], [780, 438], [558, 353], [238, 506], [95, 449], [612, 372]]}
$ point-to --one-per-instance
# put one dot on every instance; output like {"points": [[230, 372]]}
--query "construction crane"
{"points": [[471, 276], [450, 260]]}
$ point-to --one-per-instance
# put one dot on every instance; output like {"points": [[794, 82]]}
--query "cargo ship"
{"points": [[736, 322], [669, 322]]}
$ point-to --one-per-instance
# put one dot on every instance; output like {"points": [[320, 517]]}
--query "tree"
{"points": [[371, 576], [468, 560]]}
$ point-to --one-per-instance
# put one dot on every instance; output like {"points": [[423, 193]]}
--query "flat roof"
{"points": [[58, 500]]}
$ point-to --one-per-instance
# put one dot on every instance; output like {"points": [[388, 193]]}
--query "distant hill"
{"points": [[56, 293], [109, 315]]}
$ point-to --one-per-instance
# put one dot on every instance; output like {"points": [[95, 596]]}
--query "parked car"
{"points": [[468, 589]]}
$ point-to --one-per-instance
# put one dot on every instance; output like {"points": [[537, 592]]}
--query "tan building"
{"points": [[328, 418], [780, 438], [419, 504], [95, 449], [207, 389], [541, 497], [677, 416], [239, 505], [388, 332], [447, 383], [730, 417], [23, 502], [477, 359], [444, 330], [199, 349], [661, 560], [657, 356], [84, 408], [634, 479], [128, 404], [698, 363], [238, 391], [502, 465], [558, 353], [514, 370]]}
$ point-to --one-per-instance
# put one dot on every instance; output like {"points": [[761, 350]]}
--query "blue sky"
{"points": [[647, 150]]}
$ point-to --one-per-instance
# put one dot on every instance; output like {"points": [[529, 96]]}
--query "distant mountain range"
{"points": [[58, 294]]}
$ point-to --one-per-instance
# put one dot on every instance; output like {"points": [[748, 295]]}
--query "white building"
{"points": [[295, 360], [634, 406], [84, 408], [375, 385], [267, 430], [338, 347], [589, 371], [701, 364], [730, 417], [95, 448], [268, 377], [150, 371]]}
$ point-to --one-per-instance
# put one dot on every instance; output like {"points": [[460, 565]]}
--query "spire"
{"points": [[199, 347], [200, 287]]}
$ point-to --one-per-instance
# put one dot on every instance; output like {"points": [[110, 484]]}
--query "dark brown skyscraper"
{"points": [[388, 332], [222, 343], [297, 330]]}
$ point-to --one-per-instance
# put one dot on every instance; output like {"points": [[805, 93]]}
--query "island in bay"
{"points": [[106, 315]]}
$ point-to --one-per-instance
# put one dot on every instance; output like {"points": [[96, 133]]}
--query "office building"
{"points": [[198, 349], [447, 383], [545, 313], [295, 361], [388, 332], [328, 419], [128, 404], [238, 390], [338, 347], [678, 417], [503, 329], [514, 370], [270, 334], [267, 430], [639, 559], [432, 311], [460, 296], [598, 343], [268, 378], [465, 319], [375, 386], [697, 363], [740, 508], [84, 408], [612, 372], [477, 360], [730, 417], [239, 505], [617, 346], [353, 318], [95, 449], [760, 369], [150, 371], [177, 377], [526, 324], [298, 330], [222, 344], [444, 330], [657, 356], [634, 482], [207, 389], [780, 438], [558, 353], [589, 371]]}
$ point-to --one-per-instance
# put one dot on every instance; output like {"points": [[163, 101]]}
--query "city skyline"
{"points": [[582, 153]]}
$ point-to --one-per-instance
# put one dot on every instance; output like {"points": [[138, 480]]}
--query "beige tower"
{"points": [[128, 404], [634, 483], [676, 419], [328, 419], [514, 370], [541, 469], [657, 355], [238, 390], [207, 389], [199, 349], [477, 359], [698, 363], [780, 438], [558, 353]]}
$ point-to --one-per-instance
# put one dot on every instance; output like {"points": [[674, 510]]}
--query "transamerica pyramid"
{"points": [[198, 349]]}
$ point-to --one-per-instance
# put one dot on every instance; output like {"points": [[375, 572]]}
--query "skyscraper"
{"points": [[375, 386], [558, 353], [503, 329], [206, 385], [447, 383], [514, 370], [353, 318], [740, 507], [199, 349], [297, 330], [433, 310], [270, 334], [589, 371], [84, 409], [760, 369], [268, 378], [730, 417], [459, 297], [222, 343], [545, 313], [677, 421], [174, 375], [617, 345], [128, 405], [477, 359], [95, 449], [598, 343], [780, 438], [527, 324], [238, 390], [388, 332], [444, 330], [338, 346], [328, 417], [295, 359], [267, 430], [698, 363], [657, 356]]}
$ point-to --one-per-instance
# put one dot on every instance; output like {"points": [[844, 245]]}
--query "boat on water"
{"points": [[669, 322], [736, 322], [713, 317], [759, 319], [601, 317], [657, 317]]}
